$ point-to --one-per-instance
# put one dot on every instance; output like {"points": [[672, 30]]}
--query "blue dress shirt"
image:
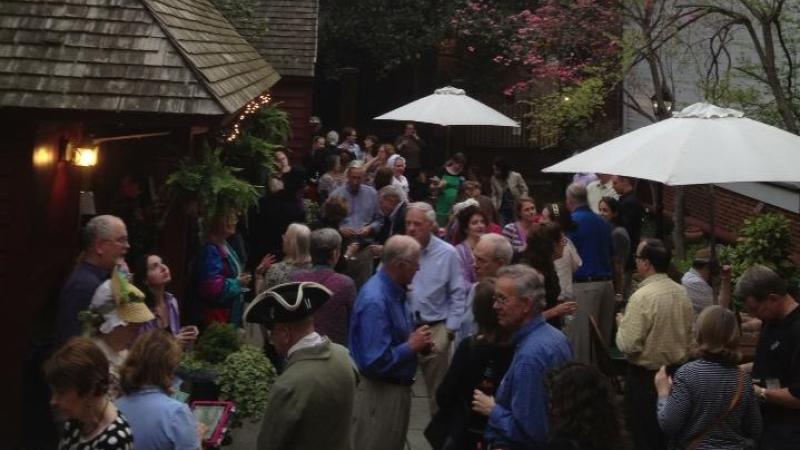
{"points": [[75, 296], [379, 328], [519, 418], [158, 421], [592, 239], [439, 290], [363, 207]]}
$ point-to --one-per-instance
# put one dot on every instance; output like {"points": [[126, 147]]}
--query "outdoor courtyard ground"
{"points": [[245, 438]]}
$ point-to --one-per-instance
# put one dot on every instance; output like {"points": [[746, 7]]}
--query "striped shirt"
{"points": [[516, 235], [701, 392]]}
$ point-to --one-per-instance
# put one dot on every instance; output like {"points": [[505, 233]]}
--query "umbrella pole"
{"points": [[447, 142], [712, 226]]}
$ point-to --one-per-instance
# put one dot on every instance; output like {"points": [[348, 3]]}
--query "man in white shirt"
{"points": [[599, 188]]}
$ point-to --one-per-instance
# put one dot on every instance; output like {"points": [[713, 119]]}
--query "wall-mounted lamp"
{"points": [[43, 156], [82, 154], [85, 155]]}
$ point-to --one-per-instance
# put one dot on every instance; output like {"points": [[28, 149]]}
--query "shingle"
{"points": [[170, 56], [275, 25]]}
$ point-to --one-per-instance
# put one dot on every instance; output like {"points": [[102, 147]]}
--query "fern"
{"points": [[212, 184]]}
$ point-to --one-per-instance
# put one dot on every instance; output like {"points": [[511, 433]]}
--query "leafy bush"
{"points": [[764, 239], [245, 378], [243, 373], [212, 184], [216, 343]]}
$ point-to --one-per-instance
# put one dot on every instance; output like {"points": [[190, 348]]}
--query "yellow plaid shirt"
{"points": [[656, 329]]}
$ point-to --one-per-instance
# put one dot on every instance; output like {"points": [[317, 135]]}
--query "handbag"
{"points": [[695, 442]]}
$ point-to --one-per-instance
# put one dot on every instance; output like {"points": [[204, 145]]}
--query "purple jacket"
{"points": [[332, 319]]}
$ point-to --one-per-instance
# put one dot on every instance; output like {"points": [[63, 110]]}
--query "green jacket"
{"points": [[310, 406]]}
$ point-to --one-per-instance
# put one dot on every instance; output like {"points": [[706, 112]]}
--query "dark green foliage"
{"points": [[216, 343], [212, 184], [763, 239], [263, 133], [379, 34]]}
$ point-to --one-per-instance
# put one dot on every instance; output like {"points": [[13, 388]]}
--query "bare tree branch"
{"points": [[634, 105]]}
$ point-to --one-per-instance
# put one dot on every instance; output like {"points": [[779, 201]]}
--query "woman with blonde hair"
{"points": [[296, 251], [709, 403], [156, 420]]}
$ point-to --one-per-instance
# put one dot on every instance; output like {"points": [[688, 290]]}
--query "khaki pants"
{"points": [[594, 299], [434, 365], [380, 415]]}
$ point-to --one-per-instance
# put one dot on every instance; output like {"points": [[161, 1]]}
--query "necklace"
{"points": [[90, 429]]}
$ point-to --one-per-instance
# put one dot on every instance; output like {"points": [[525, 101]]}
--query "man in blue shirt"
{"points": [[105, 240], [594, 292], [518, 414], [362, 223], [438, 294], [384, 349]]}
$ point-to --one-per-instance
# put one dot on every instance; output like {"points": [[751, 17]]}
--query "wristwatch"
{"points": [[762, 393]]}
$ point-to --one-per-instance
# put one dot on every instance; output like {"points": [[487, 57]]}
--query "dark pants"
{"points": [[780, 436], [640, 408]]}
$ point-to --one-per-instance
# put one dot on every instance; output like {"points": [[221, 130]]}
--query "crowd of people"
{"points": [[497, 301]]}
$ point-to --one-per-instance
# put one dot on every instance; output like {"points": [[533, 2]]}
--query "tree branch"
{"points": [[634, 105]]}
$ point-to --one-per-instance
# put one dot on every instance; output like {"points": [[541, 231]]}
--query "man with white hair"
{"points": [[594, 292], [492, 252], [517, 416], [438, 293], [384, 348], [105, 241]]}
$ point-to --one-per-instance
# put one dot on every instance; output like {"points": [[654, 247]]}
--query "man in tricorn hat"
{"points": [[310, 405]]}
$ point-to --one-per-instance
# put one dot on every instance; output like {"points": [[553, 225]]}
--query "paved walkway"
{"points": [[244, 438]]}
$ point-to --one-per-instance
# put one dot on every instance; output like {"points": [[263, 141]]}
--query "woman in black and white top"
{"points": [[709, 403], [79, 378]]}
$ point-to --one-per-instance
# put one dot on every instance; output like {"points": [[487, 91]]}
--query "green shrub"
{"points": [[763, 239], [245, 378], [216, 343]]}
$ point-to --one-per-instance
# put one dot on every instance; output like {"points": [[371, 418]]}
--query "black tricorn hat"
{"points": [[287, 302]]}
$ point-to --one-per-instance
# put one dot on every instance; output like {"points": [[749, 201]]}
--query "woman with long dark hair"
{"points": [[545, 246], [609, 209], [152, 276], [570, 260], [479, 362]]}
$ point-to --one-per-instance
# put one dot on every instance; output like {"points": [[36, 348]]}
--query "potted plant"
{"points": [[211, 185], [221, 367]]}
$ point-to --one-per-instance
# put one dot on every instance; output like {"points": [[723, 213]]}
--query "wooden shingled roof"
{"points": [[163, 56], [283, 31]]}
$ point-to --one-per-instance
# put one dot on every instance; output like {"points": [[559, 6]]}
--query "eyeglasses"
{"points": [[501, 299]]}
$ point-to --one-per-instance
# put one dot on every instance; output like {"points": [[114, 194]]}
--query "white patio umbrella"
{"points": [[449, 106], [701, 144]]}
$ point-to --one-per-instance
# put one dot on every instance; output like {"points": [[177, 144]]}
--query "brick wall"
{"points": [[731, 209]]}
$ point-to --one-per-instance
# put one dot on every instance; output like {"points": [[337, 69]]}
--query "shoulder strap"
{"points": [[734, 401]]}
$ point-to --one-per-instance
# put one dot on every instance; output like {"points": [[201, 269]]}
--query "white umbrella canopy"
{"points": [[449, 106], [701, 144]]}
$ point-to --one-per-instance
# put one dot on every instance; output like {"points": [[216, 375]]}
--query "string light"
{"points": [[251, 108]]}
